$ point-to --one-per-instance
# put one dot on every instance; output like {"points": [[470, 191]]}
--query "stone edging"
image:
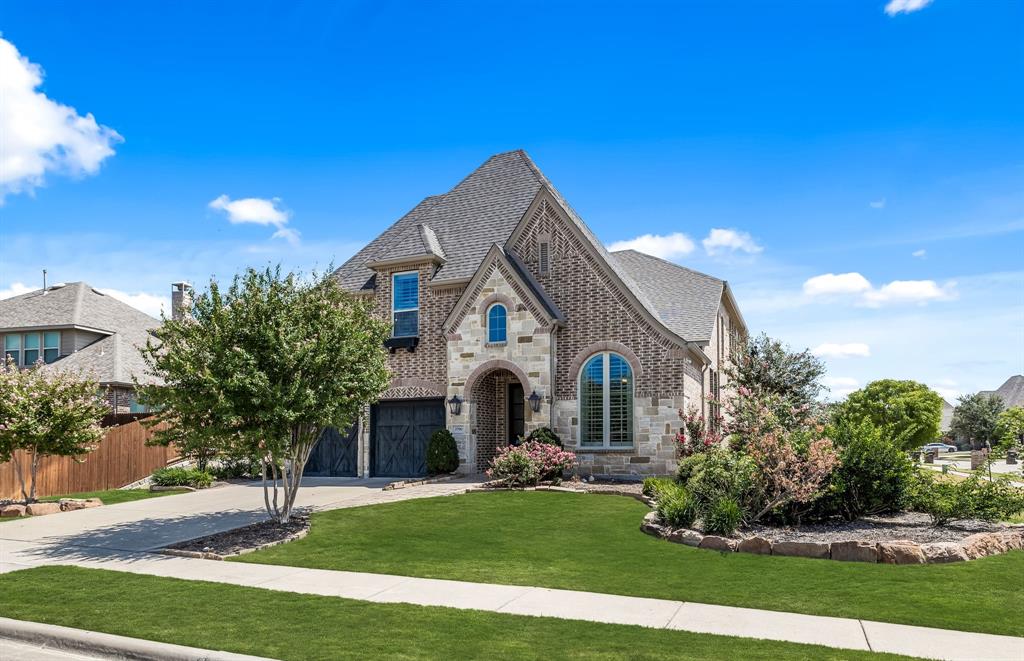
{"points": [[206, 555], [895, 552], [402, 484], [109, 645], [44, 507]]}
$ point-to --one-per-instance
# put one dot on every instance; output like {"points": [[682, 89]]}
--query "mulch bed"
{"points": [[911, 526], [249, 538]]}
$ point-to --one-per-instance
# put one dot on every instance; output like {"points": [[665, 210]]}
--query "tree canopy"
{"points": [[1010, 427], [263, 367], [908, 413], [975, 418]]}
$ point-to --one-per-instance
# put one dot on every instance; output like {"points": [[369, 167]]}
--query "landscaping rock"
{"points": [[942, 552], [652, 525], [853, 551], [39, 509], [72, 504], [758, 545], [900, 552], [652, 517], [11, 511], [684, 536], [801, 549], [1013, 539], [984, 544], [716, 543]]}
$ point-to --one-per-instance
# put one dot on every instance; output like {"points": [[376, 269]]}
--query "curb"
{"points": [[120, 647]]}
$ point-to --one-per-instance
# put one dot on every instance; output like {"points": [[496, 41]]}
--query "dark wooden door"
{"points": [[335, 454], [399, 433], [516, 413]]}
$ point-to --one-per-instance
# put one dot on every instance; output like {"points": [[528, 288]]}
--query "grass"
{"points": [[288, 626], [115, 496], [593, 542]]}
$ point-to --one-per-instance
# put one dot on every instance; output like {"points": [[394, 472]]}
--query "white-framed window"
{"points": [[12, 348], [497, 324], [25, 349], [606, 402], [51, 346], [30, 342], [405, 304]]}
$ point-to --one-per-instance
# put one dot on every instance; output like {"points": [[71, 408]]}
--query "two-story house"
{"points": [[508, 314], [77, 328]]}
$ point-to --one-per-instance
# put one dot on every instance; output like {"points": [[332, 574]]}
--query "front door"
{"points": [[516, 413]]}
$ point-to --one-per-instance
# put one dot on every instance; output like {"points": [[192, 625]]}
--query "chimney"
{"points": [[181, 300]]}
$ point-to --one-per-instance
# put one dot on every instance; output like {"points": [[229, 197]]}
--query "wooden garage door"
{"points": [[399, 433], [335, 454]]}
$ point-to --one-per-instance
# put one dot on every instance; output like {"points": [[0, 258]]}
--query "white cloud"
{"points": [[848, 350], [877, 204], [920, 254], [895, 292], [728, 240], [16, 289], [258, 211], [831, 284], [840, 386], [148, 303], [910, 291], [905, 6], [669, 246], [42, 136]]}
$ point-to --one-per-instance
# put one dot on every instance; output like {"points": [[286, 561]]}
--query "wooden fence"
{"points": [[121, 458]]}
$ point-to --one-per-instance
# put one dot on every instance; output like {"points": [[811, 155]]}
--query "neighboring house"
{"points": [[80, 329], [1011, 392], [946, 421], [509, 315]]}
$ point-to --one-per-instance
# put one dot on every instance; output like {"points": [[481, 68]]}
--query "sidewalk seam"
{"points": [[681, 604], [865, 632]]}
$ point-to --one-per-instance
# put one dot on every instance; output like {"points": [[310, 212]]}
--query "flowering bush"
{"points": [[785, 475], [695, 436], [526, 464]]}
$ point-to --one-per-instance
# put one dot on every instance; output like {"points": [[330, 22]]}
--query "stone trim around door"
{"points": [[489, 366]]}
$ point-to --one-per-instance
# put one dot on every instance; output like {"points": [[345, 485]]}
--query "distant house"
{"points": [[78, 328], [1011, 392]]}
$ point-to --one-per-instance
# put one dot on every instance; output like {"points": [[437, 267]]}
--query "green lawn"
{"points": [[115, 496], [306, 627], [593, 542]]}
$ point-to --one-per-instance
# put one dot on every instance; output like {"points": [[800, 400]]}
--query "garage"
{"points": [[399, 433], [335, 454]]}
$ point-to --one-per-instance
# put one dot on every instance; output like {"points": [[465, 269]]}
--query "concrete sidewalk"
{"points": [[566, 604]]}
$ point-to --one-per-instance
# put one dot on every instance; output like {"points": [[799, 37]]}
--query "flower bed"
{"points": [[864, 541], [241, 540]]}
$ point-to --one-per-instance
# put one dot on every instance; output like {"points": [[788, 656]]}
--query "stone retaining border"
{"points": [[206, 555], [44, 507], [402, 484], [895, 552]]}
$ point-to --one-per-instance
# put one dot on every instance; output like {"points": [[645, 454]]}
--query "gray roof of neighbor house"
{"points": [[485, 208], [1011, 392], [112, 359], [687, 301]]}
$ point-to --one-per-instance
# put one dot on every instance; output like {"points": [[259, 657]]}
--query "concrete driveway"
{"points": [[145, 525]]}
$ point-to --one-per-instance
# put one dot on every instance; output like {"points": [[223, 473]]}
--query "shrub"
{"points": [[908, 413], [544, 435], [514, 466], [676, 506], [236, 468], [551, 460], [442, 453], [716, 474], [873, 475], [182, 477], [790, 469], [723, 517], [946, 500], [654, 486]]}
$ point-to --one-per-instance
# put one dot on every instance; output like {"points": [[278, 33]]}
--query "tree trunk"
{"points": [[21, 476], [35, 466], [303, 439]]}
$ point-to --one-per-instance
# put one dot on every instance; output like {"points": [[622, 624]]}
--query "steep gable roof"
{"points": [[75, 304], [1011, 392], [687, 301]]}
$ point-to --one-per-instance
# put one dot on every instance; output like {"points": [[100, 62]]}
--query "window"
{"points": [[405, 303], [31, 344], [51, 346], [497, 324], [606, 402], [12, 348]]}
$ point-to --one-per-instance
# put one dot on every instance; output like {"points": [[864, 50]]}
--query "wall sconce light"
{"points": [[534, 400], [455, 405]]}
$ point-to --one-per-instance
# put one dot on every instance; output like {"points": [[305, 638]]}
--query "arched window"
{"points": [[606, 402], [497, 323]]}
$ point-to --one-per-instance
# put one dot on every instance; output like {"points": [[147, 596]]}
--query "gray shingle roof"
{"points": [[685, 300], [415, 241], [113, 359], [1011, 392]]}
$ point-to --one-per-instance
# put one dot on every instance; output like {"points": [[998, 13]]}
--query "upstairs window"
{"points": [[497, 324], [25, 349], [606, 402], [12, 348], [31, 344], [405, 304], [51, 346]]}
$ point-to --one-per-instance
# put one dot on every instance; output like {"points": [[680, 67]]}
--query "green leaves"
{"points": [[906, 412], [975, 418]]}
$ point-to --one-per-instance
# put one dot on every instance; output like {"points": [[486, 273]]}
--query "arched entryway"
{"points": [[498, 399]]}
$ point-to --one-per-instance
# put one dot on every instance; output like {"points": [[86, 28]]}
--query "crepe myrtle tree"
{"points": [[46, 414], [262, 367]]}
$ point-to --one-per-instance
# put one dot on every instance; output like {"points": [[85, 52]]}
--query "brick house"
{"points": [[510, 315], [77, 328]]}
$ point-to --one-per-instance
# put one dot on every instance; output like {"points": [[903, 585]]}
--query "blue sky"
{"points": [[883, 147]]}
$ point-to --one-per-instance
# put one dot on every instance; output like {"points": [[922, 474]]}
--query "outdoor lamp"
{"points": [[455, 405], [534, 400]]}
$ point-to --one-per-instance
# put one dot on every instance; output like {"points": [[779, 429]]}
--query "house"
{"points": [[508, 315], [1011, 392], [75, 327]]}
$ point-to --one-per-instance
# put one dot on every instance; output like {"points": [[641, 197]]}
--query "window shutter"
{"points": [[544, 256]]}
